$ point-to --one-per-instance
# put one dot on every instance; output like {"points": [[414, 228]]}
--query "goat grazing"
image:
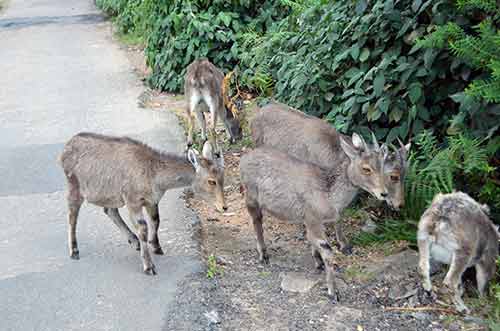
{"points": [[112, 172], [203, 82], [373, 169], [299, 191], [456, 230]]}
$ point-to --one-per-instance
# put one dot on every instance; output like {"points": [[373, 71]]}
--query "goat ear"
{"points": [[207, 152], [220, 159], [384, 151], [358, 142], [193, 158], [350, 150], [376, 146], [404, 149]]}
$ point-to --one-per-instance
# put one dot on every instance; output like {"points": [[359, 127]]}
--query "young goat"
{"points": [[112, 172], [203, 82], [310, 139], [297, 191], [456, 230]]}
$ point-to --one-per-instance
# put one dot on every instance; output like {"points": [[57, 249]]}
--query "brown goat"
{"points": [[310, 139], [112, 172], [456, 230], [297, 191], [203, 82]]}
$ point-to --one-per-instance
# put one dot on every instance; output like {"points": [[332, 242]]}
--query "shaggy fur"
{"points": [[456, 230]]}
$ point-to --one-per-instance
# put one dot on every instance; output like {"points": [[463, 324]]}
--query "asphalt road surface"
{"points": [[61, 73]]}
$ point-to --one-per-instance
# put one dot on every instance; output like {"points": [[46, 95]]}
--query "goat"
{"points": [[456, 230], [310, 139], [204, 82], [112, 172], [293, 189]]}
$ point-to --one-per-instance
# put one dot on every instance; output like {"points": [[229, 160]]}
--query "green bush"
{"points": [[474, 39], [357, 65], [187, 30]]}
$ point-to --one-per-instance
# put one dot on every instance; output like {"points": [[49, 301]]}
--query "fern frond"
{"points": [[442, 35], [488, 90], [473, 49], [489, 6]]}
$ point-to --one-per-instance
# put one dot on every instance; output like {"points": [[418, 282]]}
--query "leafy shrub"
{"points": [[356, 64], [474, 39], [187, 30], [133, 17]]}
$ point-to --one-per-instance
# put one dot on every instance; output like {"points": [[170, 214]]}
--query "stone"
{"points": [[298, 282], [343, 318], [395, 267], [369, 226], [212, 317], [344, 313]]}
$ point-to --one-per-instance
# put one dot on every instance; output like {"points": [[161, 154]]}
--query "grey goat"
{"points": [[372, 168], [203, 83], [113, 172], [456, 230]]}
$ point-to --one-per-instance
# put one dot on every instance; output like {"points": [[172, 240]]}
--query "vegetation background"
{"points": [[416, 70]]}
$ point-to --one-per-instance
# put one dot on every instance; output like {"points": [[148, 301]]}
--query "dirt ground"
{"points": [[379, 286]]}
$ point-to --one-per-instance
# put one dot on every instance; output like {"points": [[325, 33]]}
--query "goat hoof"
{"points": [[75, 255], [320, 267], [150, 271], [334, 296], [158, 251], [346, 250], [264, 259], [134, 242], [462, 309]]}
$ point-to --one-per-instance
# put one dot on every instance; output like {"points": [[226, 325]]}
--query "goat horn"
{"points": [[375, 142]]}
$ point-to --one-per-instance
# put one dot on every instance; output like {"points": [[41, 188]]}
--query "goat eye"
{"points": [[212, 182], [395, 178], [367, 171]]}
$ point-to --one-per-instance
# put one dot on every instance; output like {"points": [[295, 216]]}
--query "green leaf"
{"points": [[329, 96], [355, 52], [413, 112], [383, 104], [416, 5], [423, 114], [365, 53], [378, 83], [429, 56], [415, 92], [393, 134], [225, 18], [361, 6], [395, 115], [355, 78]]}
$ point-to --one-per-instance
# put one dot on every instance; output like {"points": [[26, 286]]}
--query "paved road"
{"points": [[60, 73]]}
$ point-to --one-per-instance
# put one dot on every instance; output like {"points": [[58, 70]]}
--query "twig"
{"points": [[476, 328], [426, 308]]}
